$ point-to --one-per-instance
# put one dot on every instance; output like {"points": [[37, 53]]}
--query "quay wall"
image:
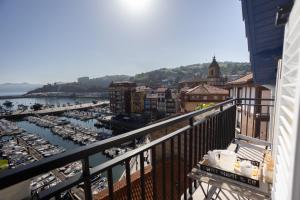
{"points": [[51, 111]]}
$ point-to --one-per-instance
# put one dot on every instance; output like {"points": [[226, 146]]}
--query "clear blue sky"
{"points": [[45, 41]]}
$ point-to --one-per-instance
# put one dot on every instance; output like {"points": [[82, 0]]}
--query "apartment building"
{"points": [[120, 97], [172, 103], [137, 99], [150, 102], [161, 99]]}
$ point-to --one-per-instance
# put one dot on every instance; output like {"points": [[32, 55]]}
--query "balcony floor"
{"points": [[223, 195], [246, 150]]}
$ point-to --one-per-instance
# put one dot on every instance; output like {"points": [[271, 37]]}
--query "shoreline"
{"points": [[98, 95]]}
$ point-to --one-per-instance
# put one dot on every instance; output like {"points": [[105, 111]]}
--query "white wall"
{"points": [[287, 114]]}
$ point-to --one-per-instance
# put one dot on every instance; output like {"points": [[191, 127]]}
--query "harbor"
{"points": [[8, 128], [30, 137], [50, 110], [81, 115]]}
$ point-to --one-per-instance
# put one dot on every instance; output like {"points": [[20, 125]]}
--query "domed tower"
{"points": [[214, 69]]}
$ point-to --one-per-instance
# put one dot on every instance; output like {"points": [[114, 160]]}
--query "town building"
{"points": [[201, 94], [245, 87], [172, 103], [150, 102], [83, 80], [137, 99], [161, 99], [120, 97]]}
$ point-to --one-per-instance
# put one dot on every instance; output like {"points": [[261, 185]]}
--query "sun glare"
{"points": [[137, 7]]}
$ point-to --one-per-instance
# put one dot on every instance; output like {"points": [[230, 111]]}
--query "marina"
{"points": [[15, 153], [9, 128], [49, 110], [81, 115], [76, 134], [43, 182], [47, 121], [28, 138], [39, 146]]}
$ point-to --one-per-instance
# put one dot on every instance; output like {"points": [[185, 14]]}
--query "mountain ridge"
{"points": [[163, 76]]}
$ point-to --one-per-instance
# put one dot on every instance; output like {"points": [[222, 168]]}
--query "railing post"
{"points": [[86, 178], [191, 122]]}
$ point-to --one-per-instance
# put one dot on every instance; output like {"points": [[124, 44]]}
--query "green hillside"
{"points": [[163, 76]]}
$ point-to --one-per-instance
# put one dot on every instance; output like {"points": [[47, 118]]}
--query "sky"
{"points": [[60, 40]]}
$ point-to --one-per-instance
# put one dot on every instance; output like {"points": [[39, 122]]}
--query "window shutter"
{"points": [[286, 127]]}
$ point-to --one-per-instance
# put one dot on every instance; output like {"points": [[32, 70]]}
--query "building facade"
{"points": [[172, 103], [244, 87], [120, 97], [83, 80], [161, 99], [150, 102], [137, 99], [201, 94]]}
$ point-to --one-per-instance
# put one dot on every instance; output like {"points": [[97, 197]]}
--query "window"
{"points": [[215, 97], [204, 97]]}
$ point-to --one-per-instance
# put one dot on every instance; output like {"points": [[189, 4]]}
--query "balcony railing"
{"points": [[172, 156]]}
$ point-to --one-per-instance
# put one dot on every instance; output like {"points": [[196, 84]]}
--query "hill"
{"points": [[163, 76], [172, 76], [92, 85]]}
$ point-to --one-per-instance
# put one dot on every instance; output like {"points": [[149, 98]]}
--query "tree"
{"points": [[37, 106], [8, 104], [204, 105]]}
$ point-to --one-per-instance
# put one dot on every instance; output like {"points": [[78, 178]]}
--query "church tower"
{"points": [[214, 69]]}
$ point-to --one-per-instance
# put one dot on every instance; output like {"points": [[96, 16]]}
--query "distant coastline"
{"points": [[11, 94], [101, 95]]}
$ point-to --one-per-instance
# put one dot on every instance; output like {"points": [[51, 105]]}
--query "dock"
{"points": [[78, 193], [56, 110]]}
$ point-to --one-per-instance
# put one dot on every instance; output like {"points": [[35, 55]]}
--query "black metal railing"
{"points": [[253, 117], [172, 156]]}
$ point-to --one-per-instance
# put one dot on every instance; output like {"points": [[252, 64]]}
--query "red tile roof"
{"points": [[243, 80], [205, 89], [142, 89], [160, 90]]}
